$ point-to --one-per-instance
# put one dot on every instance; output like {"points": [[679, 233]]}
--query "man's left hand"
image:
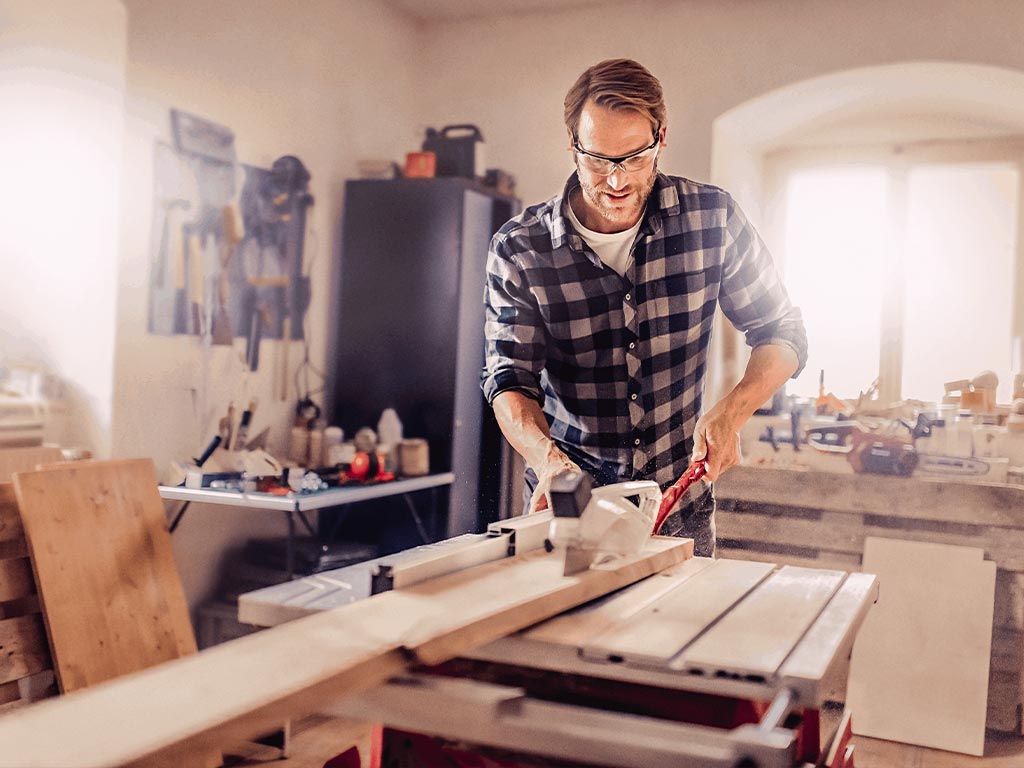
{"points": [[716, 439]]}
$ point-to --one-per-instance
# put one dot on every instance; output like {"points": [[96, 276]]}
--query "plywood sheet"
{"points": [[104, 568], [237, 689], [24, 459], [920, 667], [760, 633], [672, 622]]}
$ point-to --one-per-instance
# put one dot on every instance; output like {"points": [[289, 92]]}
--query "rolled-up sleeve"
{"points": [[513, 330], [753, 296]]}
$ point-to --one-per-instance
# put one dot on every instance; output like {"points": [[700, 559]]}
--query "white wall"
{"points": [[62, 83], [329, 82], [510, 74]]}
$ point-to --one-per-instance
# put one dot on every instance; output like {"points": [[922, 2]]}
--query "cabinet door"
{"points": [[397, 315]]}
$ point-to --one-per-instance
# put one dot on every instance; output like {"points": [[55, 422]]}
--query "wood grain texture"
{"points": [[665, 627], [26, 459], [920, 665], [237, 689], [23, 649], [10, 518], [993, 505], [105, 570], [16, 580], [760, 633]]}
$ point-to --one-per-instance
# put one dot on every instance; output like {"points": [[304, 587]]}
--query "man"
{"points": [[599, 308]]}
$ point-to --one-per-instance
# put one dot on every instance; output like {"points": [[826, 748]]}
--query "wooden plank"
{"points": [[21, 606], [10, 518], [1009, 599], [666, 626], [26, 459], [23, 649], [840, 532], [235, 690], [16, 579], [920, 665], [993, 505], [575, 628], [9, 692], [755, 638], [99, 530]]}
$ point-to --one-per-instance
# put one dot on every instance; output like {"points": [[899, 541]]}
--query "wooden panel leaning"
{"points": [[821, 520], [108, 583], [25, 662], [23, 459]]}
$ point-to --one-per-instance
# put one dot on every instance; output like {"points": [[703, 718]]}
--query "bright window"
{"points": [[960, 254], [833, 257], [904, 269]]}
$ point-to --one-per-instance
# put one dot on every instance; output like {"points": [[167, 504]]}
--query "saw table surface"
{"points": [[728, 627]]}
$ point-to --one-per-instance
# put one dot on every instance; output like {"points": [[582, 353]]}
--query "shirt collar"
{"points": [[663, 201]]}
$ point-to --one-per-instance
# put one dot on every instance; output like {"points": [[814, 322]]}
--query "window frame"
{"points": [[897, 158]]}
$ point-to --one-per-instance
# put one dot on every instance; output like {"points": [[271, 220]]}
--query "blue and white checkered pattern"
{"points": [[618, 363]]}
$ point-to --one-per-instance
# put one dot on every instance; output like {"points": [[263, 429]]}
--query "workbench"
{"points": [[618, 681], [296, 505]]}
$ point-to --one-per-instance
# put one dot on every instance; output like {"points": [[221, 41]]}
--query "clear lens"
{"points": [[597, 165], [603, 167], [638, 162]]}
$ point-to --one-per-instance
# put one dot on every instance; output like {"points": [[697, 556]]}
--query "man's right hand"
{"points": [[555, 462]]}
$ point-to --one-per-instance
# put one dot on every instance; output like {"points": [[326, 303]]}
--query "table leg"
{"points": [[290, 545], [178, 516]]}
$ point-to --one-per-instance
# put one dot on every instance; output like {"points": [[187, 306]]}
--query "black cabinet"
{"points": [[407, 326]]}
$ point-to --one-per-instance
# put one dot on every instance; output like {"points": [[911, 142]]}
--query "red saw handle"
{"points": [[693, 473]]}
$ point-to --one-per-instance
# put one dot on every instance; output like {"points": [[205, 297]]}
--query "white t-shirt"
{"points": [[615, 249]]}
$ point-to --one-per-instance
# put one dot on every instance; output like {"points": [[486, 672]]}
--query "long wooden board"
{"points": [[105, 569], [238, 689], [904, 497]]}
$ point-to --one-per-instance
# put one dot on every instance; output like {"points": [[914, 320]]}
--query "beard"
{"points": [[615, 214]]}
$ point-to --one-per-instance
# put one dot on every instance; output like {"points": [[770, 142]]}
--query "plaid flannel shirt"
{"points": [[618, 363]]}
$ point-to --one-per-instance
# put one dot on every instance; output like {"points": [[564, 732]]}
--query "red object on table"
{"points": [[693, 473]]}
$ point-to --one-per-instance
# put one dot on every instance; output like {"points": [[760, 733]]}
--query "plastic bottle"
{"points": [[389, 427], [389, 434], [332, 446]]}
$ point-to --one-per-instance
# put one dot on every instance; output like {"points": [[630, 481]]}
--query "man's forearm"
{"points": [[716, 436], [769, 367], [524, 426]]}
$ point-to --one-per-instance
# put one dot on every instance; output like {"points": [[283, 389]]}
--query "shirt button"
{"points": [[633, 396], [628, 297], [637, 441], [632, 345]]}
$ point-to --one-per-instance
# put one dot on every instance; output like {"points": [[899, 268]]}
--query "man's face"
{"points": [[614, 201]]}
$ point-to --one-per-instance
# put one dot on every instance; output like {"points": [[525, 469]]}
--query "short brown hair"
{"points": [[616, 84]]}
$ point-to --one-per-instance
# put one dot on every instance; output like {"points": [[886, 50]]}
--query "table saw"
{"points": [[707, 663]]}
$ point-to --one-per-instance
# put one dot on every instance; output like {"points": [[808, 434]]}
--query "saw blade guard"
{"points": [[616, 521]]}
